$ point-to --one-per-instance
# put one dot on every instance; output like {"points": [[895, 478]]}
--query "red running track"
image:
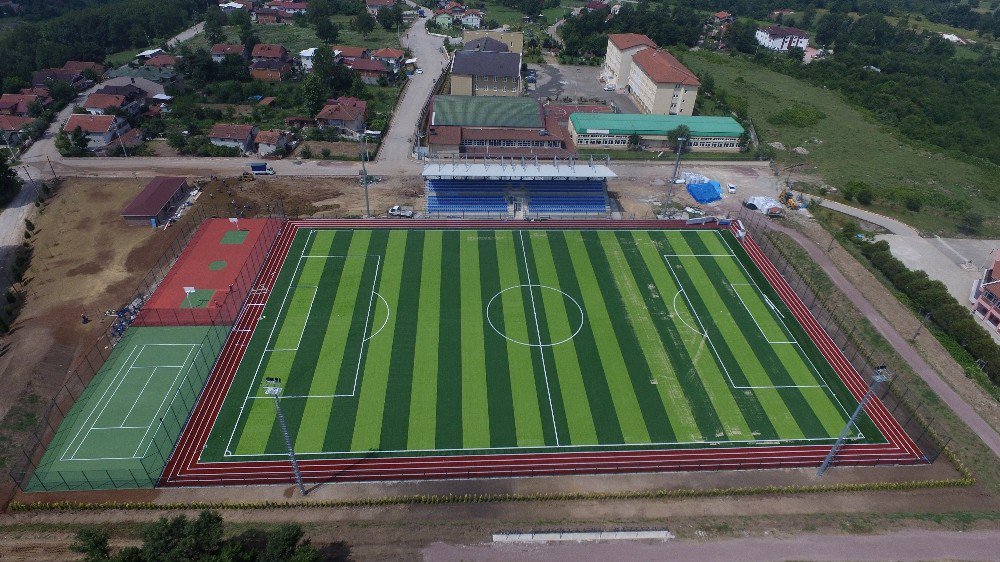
{"points": [[184, 468]]}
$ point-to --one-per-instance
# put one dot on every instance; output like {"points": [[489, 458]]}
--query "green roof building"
{"points": [[486, 111], [612, 130]]}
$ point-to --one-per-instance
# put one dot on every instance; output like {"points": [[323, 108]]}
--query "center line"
{"points": [[538, 332]]}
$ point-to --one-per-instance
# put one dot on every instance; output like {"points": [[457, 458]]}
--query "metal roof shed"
{"points": [[153, 205], [515, 170]]}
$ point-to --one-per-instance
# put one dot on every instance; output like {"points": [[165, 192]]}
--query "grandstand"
{"points": [[517, 188]]}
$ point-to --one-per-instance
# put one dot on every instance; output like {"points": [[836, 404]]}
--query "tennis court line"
{"points": [[171, 391], [538, 333]]}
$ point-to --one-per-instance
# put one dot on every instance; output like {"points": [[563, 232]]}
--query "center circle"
{"points": [[528, 332]]}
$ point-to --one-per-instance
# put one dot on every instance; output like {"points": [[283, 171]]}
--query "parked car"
{"points": [[732, 188], [397, 211], [609, 87], [420, 71]]}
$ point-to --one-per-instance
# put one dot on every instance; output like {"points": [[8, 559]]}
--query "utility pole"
{"points": [[878, 378], [677, 163], [54, 175], [923, 319], [275, 391], [364, 173]]}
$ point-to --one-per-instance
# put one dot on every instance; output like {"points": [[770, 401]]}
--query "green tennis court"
{"points": [[389, 343], [130, 415]]}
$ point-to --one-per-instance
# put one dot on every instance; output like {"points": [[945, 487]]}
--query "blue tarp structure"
{"points": [[705, 192]]}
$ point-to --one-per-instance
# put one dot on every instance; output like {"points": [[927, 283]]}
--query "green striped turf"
{"points": [[463, 357]]}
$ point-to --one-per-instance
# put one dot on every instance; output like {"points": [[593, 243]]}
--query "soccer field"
{"points": [[402, 343]]}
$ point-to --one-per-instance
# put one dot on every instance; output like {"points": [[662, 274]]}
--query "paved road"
{"points": [[969, 416], [186, 34], [913, 544]]}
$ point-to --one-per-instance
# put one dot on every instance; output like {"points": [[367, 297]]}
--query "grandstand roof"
{"points": [[654, 125], [486, 111], [513, 169]]}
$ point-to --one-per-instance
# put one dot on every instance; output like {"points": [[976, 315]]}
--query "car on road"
{"points": [[420, 71], [731, 187], [609, 87], [397, 211]]}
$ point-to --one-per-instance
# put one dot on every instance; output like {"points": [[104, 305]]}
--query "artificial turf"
{"points": [[394, 342]]}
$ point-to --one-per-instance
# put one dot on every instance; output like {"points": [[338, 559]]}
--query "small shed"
{"points": [[156, 202]]}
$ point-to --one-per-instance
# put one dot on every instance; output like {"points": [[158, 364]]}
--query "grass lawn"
{"points": [[295, 38], [849, 145], [399, 343]]}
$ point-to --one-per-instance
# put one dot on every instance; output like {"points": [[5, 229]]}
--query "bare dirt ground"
{"points": [[403, 531], [351, 150], [159, 147]]}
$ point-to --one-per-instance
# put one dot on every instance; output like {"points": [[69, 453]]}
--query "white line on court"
{"points": [[156, 414], [538, 333], [371, 305]]}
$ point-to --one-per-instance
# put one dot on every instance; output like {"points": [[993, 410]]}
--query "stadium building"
{"points": [[613, 130], [493, 126]]}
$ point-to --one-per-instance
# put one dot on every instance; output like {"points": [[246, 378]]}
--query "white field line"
{"points": [[538, 333], [368, 317], [267, 344], [754, 318], [788, 331], [304, 323]]}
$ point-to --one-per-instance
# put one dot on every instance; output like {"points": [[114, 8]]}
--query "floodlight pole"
{"points": [[677, 163], [364, 173], [878, 378], [276, 392]]}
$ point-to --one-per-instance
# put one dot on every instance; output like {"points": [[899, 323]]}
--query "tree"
{"points": [[214, 20], [389, 18], [633, 141], [10, 183], [92, 544], [314, 93], [741, 36], [797, 54], [680, 132], [971, 222], [326, 30], [363, 23]]}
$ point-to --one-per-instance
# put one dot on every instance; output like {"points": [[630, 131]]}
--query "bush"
{"points": [[913, 203], [306, 152], [325, 153], [798, 115], [865, 195]]}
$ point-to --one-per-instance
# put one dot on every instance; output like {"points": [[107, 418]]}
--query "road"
{"points": [[915, 544], [186, 34]]}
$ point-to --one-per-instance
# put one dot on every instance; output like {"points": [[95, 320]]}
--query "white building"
{"points": [[781, 39], [618, 58], [660, 84], [306, 59]]}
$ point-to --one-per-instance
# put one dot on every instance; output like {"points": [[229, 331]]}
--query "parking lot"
{"points": [[558, 82]]}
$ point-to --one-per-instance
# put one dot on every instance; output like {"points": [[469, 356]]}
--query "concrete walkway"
{"points": [[913, 544], [966, 413]]}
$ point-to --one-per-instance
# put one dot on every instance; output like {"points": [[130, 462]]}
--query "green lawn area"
{"points": [[411, 342], [849, 145], [295, 38]]}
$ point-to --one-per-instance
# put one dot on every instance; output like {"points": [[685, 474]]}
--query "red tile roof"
{"points": [[444, 134], [343, 109], [13, 122], [388, 53], [17, 104], [380, 3], [151, 200], [267, 101], [80, 66], [268, 51], [269, 137], [227, 49], [722, 15], [780, 31], [90, 123], [230, 132], [101, 101], [367, 65], [161, 61], [664, 68], [628, 40], [595, 5]]}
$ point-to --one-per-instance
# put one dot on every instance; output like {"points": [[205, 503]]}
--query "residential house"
{"points": [[288, 8], [269, 16], [268, 51], [221, 50], [986, 294], [454, 8], [346, 54], [100, 130], [778, 38], [230, 7], [391, 58], [443, 18], [161, 61], [80, 66], [269, 142], [722, 18], [513, 39], [345, 114], [41, 92], [18, 104], [134, 97], [11, 129], [596, 5], [659, 83], [299, 121], [162, 76], [618, 57], [72, 77], [149, 53], [373, 6], [485, 73], [270, 70], [99, 104], [134, 86], [306, 59], [486, 44], [369, 70], [472, 19], [233, 136], [267, 101]]}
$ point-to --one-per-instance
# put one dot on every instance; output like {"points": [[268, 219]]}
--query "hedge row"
{"points": [[933, 298], [965, 480]]}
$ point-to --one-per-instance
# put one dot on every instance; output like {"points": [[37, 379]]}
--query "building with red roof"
{"points": [[348, 54], [11, 127], [232, 136], [17, 104], [391, 58], [618, 58], [779, 38], [370, 71], [660, 84], [156, 202], [100, 130], [221, 50], [346, 114]]}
